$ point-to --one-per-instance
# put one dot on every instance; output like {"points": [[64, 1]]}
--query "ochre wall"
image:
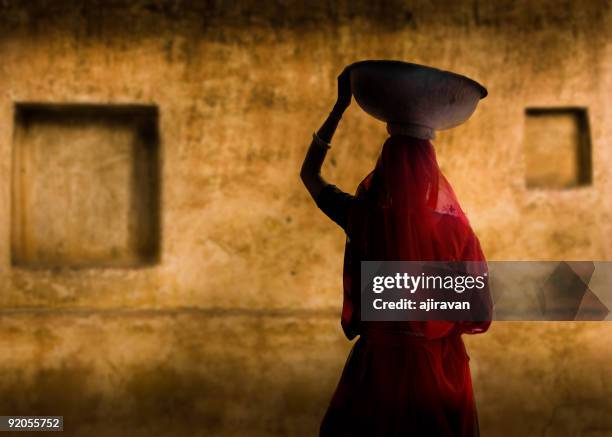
{"points": [[235, 331]]}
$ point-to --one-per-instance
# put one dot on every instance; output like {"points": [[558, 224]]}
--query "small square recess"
{"points": [[85, 185], [557, 148]]}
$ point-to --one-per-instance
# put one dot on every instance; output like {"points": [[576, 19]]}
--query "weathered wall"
{"points": [[235, 330]]}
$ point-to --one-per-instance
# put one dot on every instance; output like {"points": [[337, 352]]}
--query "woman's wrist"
{"points": [[317, 140]]}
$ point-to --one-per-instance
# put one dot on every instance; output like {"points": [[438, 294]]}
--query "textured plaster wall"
{"points": [[235, 331]]}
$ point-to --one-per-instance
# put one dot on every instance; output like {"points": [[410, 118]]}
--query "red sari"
{"points": [[404, 378]]}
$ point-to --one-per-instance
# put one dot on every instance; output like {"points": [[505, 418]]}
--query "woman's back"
{"points": [[402, 377]]}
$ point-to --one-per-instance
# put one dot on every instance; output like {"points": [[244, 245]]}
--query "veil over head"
{"points": [[406, 210]]}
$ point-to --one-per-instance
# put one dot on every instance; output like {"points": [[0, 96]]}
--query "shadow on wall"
{"points": [[174, 373], [161, 400]]}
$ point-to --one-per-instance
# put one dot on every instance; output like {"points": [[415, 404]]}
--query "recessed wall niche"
{"points": [[85, 185], [557, 148]]}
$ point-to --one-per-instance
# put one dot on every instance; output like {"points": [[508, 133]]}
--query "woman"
{"points": [[401, 378]]}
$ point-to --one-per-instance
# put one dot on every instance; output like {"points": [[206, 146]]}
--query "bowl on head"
{"points": [[414, 96]]}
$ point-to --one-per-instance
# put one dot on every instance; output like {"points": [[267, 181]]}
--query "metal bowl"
{"points": [[402, 93]]}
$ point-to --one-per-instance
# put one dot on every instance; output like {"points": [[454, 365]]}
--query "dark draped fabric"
{"points": [[405, 378]]}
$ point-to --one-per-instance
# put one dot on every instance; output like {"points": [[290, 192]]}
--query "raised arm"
{"points": [[311, 167]]}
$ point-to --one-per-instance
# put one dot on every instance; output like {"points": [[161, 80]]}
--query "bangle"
{"points": [[319, 142]]}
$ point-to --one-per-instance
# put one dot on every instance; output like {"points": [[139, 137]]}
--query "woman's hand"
{"points": [[311, 167], [344, 91]]}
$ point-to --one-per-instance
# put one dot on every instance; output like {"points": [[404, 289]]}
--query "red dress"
{"points": [[403, 378]]}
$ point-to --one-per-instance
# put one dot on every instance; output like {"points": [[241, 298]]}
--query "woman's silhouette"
{"points": [[401, 378]]}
